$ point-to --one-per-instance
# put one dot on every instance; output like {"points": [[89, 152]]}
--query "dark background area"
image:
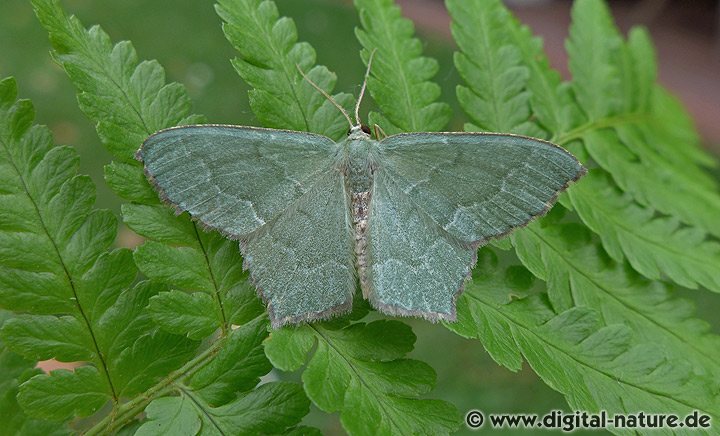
{"points": [[187, 40]]}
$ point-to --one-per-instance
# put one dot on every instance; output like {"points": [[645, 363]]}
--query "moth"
{"points": [[402, 215]]}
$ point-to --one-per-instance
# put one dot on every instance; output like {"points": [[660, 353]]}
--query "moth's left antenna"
{"points": [[328, 96]]}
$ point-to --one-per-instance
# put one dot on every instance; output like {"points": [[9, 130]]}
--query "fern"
{"points": [[184, 350], [78, 298], [399, 80], [546, 85], [359, 371], [681, 254], [212, 266], [495, 98], [269, 60], [594, 365], [176, 243], [609, 72], [15, 370]]}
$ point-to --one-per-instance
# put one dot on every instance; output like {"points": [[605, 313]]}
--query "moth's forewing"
{"points": [[477, 186], [231, 178]]}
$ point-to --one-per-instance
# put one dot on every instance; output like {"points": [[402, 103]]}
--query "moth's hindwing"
{"points": [[302, 262], [234, 179]]}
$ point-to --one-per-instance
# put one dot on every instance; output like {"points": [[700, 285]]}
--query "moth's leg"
{"points": [[378, 130]]}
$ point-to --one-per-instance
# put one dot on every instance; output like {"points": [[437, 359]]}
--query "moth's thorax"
{"points": [[358, 161]]}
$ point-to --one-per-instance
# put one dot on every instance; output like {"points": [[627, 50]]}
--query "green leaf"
{"points": [[170, 416], [495, 98], [237, 366], [540, 251], [578, 274], [271, 408], [625, 153], [593, 48], [129, 183], [269, 58], [48, 337], [159, 223], [400, 75], [127, 99], [644, 157], [595, 366], [488, 293], [63, 394], [182, 266], [552, 101], [74, 294], [14, 370], [674, 131], [182, 313], [654, 246], [602, 369], [644, 64], [141, 354], [130, 100], [220, 395], [360, 371]]}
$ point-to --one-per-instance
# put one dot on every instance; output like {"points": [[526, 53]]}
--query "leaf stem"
{"points": [[216, 289], [126, 412], [602, 123]]}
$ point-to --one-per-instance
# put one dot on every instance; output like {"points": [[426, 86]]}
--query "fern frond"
{"points": [[665, 176], [595, 365], [15, 370], [577, 274], [215, 376], [338, 380], [640, 169], [656, 247], [400, 76], [594, 48], [495, 98], [219, 398], [361, 371], [129, 100], [270, 56], [56, 269], [570, 264]]}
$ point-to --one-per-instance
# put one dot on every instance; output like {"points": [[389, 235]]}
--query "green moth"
{"points": [[404, 215]]}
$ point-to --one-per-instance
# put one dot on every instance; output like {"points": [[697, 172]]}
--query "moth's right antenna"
{"points": [[364, 85], [328, 96]]}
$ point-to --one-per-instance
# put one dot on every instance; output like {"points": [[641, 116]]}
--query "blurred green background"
{"points": [[187, 40]]}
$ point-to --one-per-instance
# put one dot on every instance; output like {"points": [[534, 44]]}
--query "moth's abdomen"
{"points": [[360, 205]]}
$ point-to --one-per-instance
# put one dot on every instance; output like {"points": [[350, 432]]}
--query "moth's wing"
{"points": [[477, 186], [437, 197], [415, 267], [302, 262], [234, 179]]}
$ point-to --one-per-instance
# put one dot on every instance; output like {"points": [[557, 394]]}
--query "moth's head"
{"points": [[359, 131]]}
